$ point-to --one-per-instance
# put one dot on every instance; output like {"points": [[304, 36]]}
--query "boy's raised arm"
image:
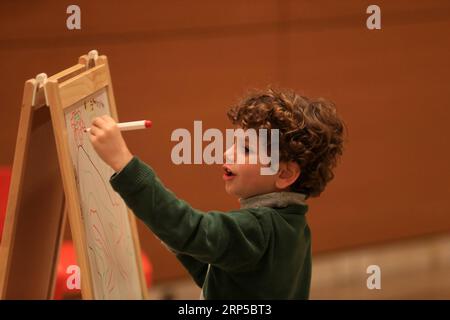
{"points": [[232, 241]]}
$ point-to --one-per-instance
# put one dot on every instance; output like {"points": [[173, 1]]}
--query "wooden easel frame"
{"points": [[34, 227]]}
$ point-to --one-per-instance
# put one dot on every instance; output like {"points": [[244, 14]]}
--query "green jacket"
{"points": [[253, 253]]}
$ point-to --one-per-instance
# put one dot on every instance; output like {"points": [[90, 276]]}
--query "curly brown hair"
{"points": [[311, 132]]}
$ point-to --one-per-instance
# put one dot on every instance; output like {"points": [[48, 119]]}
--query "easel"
{"points": [[43, 187]]}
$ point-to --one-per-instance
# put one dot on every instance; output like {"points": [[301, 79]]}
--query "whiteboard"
{"points": [[109, 240]]}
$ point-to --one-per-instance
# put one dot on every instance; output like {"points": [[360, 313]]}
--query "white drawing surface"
{"points": [[109, 240]]}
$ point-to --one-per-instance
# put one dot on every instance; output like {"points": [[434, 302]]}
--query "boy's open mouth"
{"points": [[228, 171]]}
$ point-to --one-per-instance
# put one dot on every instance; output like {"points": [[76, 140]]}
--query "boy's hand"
{"points": [[108, 142]]}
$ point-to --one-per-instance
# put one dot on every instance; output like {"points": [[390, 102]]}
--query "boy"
{"points": [[262, 250]]}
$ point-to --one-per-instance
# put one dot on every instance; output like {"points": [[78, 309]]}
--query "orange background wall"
{"points": [[179, 61]]}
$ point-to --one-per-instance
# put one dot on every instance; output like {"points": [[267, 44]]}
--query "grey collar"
{"points": [[273, 200]]}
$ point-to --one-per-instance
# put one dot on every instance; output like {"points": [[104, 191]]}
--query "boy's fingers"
{"points": [[108, 119], [99, 122], [94, 130], [107, 122]]}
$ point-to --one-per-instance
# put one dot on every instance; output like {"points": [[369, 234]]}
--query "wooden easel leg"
{"points": [[34, 224], [56, 254]]}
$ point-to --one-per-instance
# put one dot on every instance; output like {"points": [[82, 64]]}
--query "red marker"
{"points": [[132, 125]]}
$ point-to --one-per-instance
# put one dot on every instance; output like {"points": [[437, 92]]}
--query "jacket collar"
{"points": [[273, 200]]}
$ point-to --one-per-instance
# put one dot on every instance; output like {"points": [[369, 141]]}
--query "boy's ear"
{"points": [[287, 174]]}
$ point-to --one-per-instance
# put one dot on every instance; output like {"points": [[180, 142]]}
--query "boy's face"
{"points": [[245, 180]]}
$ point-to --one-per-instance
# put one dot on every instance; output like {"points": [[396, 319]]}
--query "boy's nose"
{"points": [[228, 155]]}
